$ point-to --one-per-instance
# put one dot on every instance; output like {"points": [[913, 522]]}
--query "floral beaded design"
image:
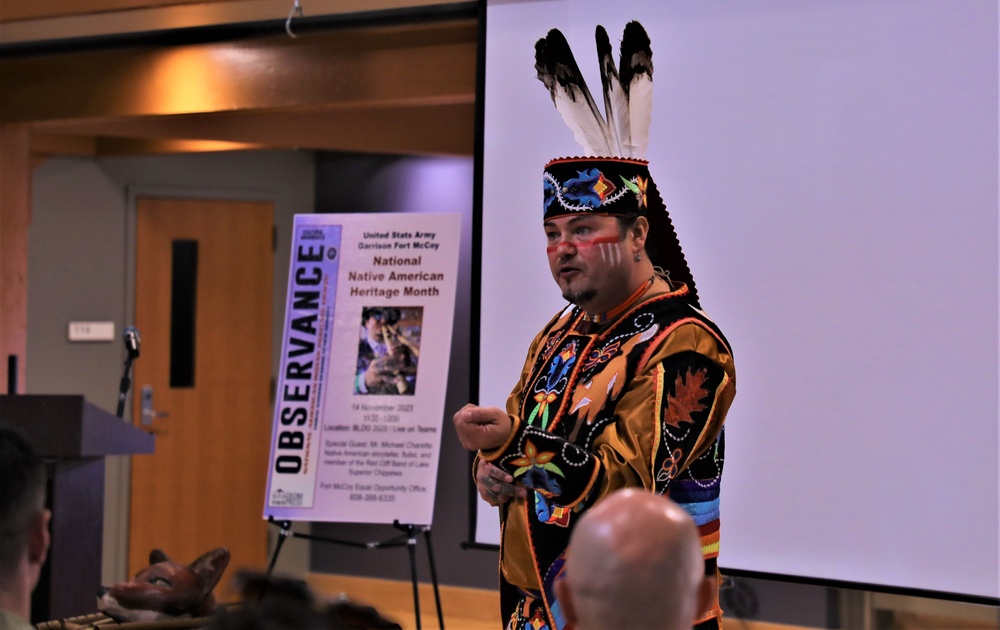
{"points": [[590, 190]]}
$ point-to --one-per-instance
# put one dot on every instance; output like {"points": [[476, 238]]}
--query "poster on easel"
{"points": [[359, 403]]}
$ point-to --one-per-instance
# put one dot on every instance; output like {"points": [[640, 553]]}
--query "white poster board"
{"points": [[364, 367]]}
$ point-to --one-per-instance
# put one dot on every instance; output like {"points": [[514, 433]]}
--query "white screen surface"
{"points": [[831, 170]]}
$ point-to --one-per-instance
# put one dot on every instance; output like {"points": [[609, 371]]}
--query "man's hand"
{"points": [[495, 485], [482, 428]]}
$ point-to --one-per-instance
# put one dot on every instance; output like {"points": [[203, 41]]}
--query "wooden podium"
{"points": [[73, 436]]}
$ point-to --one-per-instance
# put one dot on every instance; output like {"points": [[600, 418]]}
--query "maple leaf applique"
{"points": [[686, 400]]}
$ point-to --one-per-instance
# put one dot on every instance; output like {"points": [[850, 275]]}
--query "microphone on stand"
{"points": [[131, 338]]}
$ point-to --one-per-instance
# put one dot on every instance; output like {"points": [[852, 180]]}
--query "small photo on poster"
{"points": [[389, 350]]}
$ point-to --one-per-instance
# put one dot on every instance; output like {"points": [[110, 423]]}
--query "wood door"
{"points": [[203, 306]]}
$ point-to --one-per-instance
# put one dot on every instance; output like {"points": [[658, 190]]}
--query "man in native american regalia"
{"points": [[629, 385]]}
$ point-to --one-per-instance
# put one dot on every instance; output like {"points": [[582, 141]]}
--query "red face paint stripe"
{"points": [[580, 244], [605, 239]]}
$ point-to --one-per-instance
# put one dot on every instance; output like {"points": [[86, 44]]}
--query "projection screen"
{"points": [[831, 169]]}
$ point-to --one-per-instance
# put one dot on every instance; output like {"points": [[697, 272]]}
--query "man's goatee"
{"points": [[579, 297]]}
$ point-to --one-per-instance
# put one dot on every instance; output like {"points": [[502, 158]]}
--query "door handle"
{"points": [[148, 412]]}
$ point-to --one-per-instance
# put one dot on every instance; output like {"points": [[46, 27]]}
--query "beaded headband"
{"points": [[605, 185]]}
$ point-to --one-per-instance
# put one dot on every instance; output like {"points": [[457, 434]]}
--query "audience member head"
{"points": [[275, 602], [24, 521], [270, 602], [634, 561], [257, 586], [347, 615], [276, 614]]}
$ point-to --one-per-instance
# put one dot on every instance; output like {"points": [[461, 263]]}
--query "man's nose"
{"points": [[565, 248]]}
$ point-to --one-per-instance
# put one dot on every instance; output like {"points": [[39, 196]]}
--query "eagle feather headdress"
{"points": [[614, 178], [623, 129]]}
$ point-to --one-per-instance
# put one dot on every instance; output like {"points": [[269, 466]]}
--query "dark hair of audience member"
{"points": [[22, 495]]}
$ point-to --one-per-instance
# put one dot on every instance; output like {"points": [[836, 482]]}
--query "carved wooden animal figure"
{"points": [[166, 589]]}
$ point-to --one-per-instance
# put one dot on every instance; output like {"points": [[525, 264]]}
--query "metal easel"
{"points": [[408, 538]]}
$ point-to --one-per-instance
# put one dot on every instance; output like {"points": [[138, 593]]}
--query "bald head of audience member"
{"points": [[24, 522], [634, 561]]}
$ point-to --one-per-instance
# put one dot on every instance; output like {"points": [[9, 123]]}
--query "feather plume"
{"points": [[636, 76], [558, 71], [623, 130], [616, 111]]}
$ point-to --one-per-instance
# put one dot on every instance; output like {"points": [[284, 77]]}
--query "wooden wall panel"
{"points": [[49, 20], [356, 68], [35, 9], [12, 10], [15, 215]]}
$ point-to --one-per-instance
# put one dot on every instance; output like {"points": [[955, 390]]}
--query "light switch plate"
{"points": [[91, 331]]}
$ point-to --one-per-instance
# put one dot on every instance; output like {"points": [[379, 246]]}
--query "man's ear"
{"points": [[39, 538], [706, 591], [565, 600], [639, 231]]}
